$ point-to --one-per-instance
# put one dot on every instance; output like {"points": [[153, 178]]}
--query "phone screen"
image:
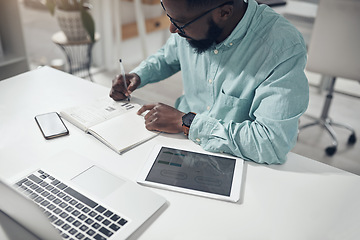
{"points": [[51, 125]]}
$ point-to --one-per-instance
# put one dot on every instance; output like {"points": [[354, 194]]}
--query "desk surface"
{"points": [[302, 199]]}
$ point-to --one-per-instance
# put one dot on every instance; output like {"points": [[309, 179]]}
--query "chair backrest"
{"points": [[334, 48]]}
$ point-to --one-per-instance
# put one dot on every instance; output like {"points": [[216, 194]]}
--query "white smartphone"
{"points": [[51, 125]]}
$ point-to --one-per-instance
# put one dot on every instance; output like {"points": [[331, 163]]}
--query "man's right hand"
{"points": [[118, 90]]}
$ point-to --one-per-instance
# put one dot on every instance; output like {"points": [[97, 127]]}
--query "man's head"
{"points": [[201, 22]]}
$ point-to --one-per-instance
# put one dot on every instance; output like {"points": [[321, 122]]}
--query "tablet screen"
{"points": [[191, 170]]}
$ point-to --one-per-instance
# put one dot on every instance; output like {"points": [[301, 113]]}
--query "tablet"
{"points": [[198, 173]]}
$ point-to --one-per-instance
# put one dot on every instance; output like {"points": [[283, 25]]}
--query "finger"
{"points": [[116, 95], [131, 87], [145, 107], [151, 116], [117, 79], [118, 84], [151, 124], [134, 82], [118, 88]]}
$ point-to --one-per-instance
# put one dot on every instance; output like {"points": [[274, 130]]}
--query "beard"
{"points": [[200, 46]]}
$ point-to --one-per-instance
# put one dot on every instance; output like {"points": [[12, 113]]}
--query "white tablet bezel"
{"points": [[235, 186]]}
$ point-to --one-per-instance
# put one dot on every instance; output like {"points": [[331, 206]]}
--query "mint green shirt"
{"points": [[248, 91]]}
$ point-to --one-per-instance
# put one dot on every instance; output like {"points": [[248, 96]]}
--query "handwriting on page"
{"points": [[101, 110]]}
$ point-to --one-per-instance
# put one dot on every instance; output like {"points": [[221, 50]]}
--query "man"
{"points": [[243, 77]]}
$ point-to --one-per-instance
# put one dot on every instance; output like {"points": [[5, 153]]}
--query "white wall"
{"points": [[108, 15]]}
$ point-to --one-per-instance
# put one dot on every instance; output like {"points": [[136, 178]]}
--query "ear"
{"points": [[223, 14]]}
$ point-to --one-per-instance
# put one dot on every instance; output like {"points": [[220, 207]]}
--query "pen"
{"points": [[123, 74]]}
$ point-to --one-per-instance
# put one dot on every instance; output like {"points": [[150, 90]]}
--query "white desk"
{"points": [[302, 199]]}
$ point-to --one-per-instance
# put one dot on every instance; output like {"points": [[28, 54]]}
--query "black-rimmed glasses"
{"points": [[181, 28]]}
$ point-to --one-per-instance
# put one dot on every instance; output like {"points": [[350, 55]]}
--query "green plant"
{"points": [[75, 5]]}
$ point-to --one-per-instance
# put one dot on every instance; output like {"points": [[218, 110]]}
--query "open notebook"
{"points": [[116, 124]]}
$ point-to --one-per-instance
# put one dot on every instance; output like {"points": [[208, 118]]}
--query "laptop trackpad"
{"points": [[98, 181]]}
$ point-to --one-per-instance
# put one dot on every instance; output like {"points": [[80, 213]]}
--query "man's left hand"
{"points": [[162, 118]]}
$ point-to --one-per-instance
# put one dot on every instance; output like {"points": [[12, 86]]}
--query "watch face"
{"points": [[188, 118]]}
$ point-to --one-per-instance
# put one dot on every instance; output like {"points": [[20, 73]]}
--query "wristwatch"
{"points": [[187, 120]]}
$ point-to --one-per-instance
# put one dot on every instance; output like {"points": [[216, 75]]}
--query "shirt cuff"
{"points": [[141, 71], [201, 128]]}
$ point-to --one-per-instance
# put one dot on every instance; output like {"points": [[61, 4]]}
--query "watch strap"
{"points": [[187, 120]]}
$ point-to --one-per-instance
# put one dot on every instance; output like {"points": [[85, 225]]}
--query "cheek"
{"points": [[197, 33]]}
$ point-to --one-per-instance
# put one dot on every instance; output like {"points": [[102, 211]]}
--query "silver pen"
{"points": [[122, 70]]}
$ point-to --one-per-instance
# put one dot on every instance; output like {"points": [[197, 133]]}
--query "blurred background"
{"points": [[132, 30]]}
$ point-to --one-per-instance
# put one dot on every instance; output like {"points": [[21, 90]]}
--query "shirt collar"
{"points": [[241, 28]]}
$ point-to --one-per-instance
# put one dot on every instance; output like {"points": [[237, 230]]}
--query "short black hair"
{"points": [[202, 3], [206, 3]]}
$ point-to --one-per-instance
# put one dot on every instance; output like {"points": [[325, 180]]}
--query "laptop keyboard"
{"points": [[73, 214]]}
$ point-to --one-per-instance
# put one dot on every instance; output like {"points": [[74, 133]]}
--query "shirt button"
{"points": [[198, 140], [208, 108], [216, 51], [210, 81], [231, 44]]}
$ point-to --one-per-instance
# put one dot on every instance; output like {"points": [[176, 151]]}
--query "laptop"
{"points": [[70, 197]]}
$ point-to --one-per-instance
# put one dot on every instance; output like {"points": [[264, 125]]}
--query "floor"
{"points": [[38, 27]]}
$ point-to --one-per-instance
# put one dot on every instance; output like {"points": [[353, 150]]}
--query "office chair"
{"points": [[334, 51]]}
